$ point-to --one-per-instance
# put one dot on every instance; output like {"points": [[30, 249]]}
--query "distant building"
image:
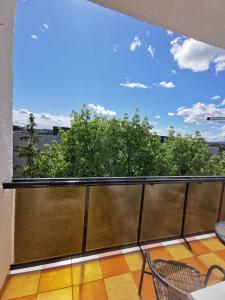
{"points": [[46, 136]]}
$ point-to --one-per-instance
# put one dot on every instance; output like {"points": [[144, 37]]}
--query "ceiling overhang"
{"points": [[203, 20]]}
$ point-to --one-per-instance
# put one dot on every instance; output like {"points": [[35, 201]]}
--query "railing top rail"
{"points": [[63, 182]]}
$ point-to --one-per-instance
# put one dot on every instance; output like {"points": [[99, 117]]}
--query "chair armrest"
{"points": [[211, 269]]}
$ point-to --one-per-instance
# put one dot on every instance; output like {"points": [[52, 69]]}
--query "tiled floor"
{"points": [[114, 277]]}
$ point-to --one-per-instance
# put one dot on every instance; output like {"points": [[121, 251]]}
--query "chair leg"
{"points": [[142, 275]]}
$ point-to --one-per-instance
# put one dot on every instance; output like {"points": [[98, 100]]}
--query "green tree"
{"points": [[51, 162], [216, 166], [29, 151], [100, 146], [187, 155], [140, 147]]}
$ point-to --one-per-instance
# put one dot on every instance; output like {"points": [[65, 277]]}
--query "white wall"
{"points": [[7, 15]]}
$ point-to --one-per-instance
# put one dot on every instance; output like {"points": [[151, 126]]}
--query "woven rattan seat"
{"points": [[175, 280]]}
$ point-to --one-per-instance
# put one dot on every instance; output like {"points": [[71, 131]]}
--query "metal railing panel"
{"points": [[202, 207], [113, 216], [162, 212], [222, 213], [59, 217], [48, 222]]}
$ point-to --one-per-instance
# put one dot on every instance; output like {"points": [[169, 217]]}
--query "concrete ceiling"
{"points": [[203, 20]]}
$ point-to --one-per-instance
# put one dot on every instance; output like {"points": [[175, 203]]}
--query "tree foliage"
{"points": [[187, 155], [100, 146], [29, 152]]}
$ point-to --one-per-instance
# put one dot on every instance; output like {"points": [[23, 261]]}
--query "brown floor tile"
{"points": [[148, 290], [198, 248], [196, 263], [94, 290], [112, 266], [160, 252], [55, 279]]}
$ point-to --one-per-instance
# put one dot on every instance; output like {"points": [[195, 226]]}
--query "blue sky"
{"points": [[72, 52]]}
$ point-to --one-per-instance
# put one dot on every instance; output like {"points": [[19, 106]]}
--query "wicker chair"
{"points": [[175, 280]]}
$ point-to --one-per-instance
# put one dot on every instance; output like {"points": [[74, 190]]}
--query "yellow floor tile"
{"points": [[63, 294], [179, 251], [32, 297], [94, 290], [54, 279], [134, 261], [21, 285], [212, 259], [121, 287], [86, 272], [213, 244]]}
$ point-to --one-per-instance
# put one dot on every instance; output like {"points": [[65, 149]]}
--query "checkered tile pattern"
{"points": [[113, 276]]}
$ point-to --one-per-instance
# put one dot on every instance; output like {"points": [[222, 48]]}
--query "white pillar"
{"points": [[7, 16]]}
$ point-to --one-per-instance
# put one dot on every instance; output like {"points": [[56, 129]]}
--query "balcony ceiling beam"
{"points": [[202, 20]]}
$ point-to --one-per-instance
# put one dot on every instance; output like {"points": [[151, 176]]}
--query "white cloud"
{"points": [[43, 120], [199, 112], [34, 37], [222, 103], [170, 33], [217, 135], [157, 116], [173, 72], [147, 32], [167, 85], [171, 114], [134, 85], [44, 27], [220, 63], [135, 43], [197, 56], [151, 50], [100, 110], [216, 97], [115, 48]]}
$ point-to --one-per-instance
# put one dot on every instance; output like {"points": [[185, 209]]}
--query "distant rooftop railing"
{"points": [[78, 216]]}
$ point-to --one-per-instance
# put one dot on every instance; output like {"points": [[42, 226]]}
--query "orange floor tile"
{"points": [[109, 278], [114, 265], [198, 248]]}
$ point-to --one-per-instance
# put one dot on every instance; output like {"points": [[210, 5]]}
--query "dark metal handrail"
{"points": [[57, 182]]}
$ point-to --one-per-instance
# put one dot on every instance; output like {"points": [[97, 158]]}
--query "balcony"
{"points": [[80, 238]]}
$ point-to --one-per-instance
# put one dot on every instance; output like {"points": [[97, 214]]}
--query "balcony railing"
{"points": [[69, 217]]}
